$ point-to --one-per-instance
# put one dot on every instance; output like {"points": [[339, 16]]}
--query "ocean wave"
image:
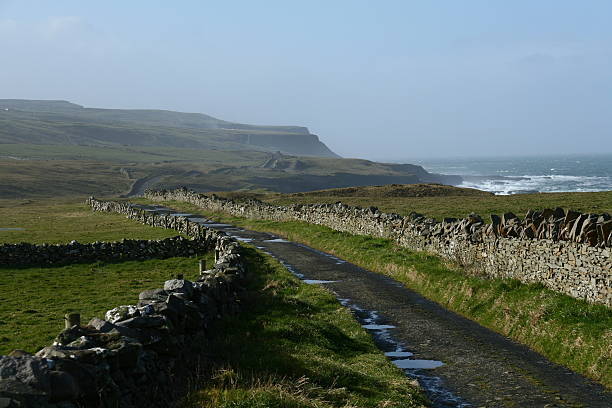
{"points": [[549, 183]]}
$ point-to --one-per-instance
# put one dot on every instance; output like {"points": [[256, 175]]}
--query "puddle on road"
{"points": [[344, 302], [382, 333], [180, 214], [398, 354], [287, 266], [199, 220], [217, 225], [316, 251], [242, 239], [290, 267], [158, 210], [417, 364], [370, 320], [377, 326], [12, 229], [317, 281]]}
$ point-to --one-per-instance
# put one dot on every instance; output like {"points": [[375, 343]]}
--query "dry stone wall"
{"points": [[201, 239], [138, 354], [26, 254], [568, 252]]}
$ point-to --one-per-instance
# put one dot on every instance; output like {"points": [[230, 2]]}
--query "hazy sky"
{"points": [[394, 79]]}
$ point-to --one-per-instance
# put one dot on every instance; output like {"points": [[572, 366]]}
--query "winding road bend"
{"points": [[140, 185], [467, 364]]}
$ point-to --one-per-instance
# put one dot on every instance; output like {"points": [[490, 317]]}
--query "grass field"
{"points": [[84, 171], [453, 205], [128, 154], [63, 178], [61, 221], [568, 331], [35, 300], [294, 346]]}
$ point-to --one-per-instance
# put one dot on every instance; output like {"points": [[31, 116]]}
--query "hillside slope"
{"points": [[65, 123], [51, 148]]}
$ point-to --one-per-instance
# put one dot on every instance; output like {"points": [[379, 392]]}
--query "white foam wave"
{"points": [[550, 183]]}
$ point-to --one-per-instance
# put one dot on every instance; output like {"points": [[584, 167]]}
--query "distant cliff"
{"points": [[65, 123]]}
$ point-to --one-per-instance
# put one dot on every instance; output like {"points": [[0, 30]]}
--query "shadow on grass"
{"points": [[292, 335]]}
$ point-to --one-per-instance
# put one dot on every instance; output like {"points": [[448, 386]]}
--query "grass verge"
{"points": [[294, 346], [61, 221], [568, 331], [33, 301]]}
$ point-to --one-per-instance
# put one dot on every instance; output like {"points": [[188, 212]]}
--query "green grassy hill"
{"points": [[45, 171], [65, 123], [57, 148]]}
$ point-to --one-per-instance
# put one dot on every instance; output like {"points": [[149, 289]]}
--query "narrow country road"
{"points": [[140, 185], [457, 361]]}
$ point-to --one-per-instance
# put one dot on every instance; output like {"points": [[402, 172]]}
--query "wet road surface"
{"points": [[458, 362]]}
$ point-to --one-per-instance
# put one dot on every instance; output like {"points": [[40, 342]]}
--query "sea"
{"points": [[516, 175]]}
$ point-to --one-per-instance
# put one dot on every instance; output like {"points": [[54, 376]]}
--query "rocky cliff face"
{"points": [[303, 144]]}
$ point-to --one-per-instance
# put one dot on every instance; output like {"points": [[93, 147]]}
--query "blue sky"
{"points": [[377, 79]]}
